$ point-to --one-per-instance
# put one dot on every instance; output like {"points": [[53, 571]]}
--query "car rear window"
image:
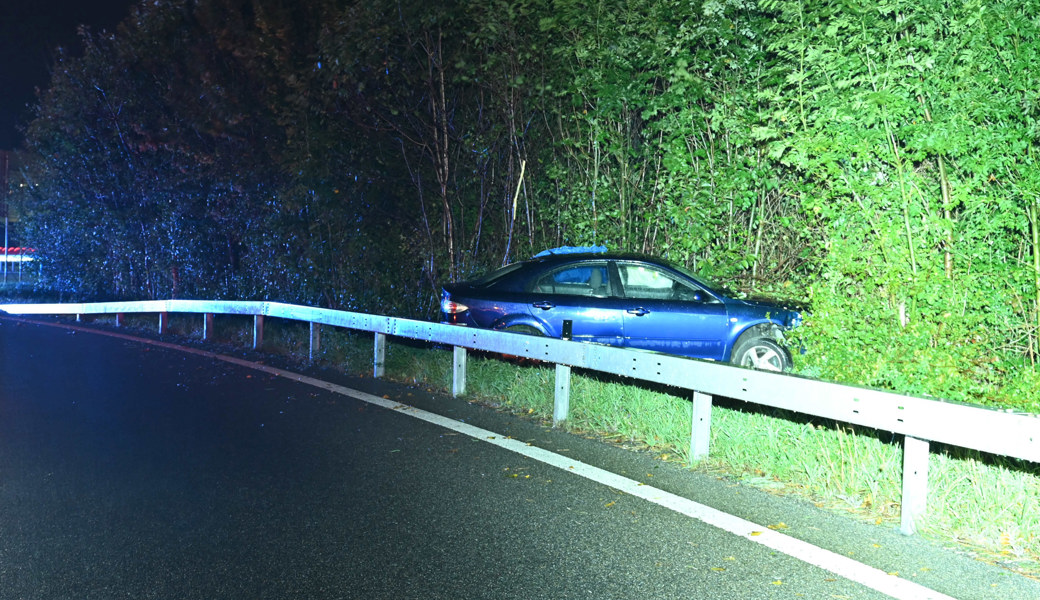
{"points": [[494, 278]]}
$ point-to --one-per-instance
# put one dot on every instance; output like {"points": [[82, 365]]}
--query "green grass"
{"points": [[987, 503]]}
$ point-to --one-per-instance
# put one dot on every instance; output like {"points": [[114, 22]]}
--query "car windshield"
{"points": [[701, 279]]}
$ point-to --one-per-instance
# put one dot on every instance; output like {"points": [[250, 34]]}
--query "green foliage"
{"points": [[915, 154], [186, 155]]}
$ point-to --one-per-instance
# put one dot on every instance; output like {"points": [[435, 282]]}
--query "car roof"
{"points": [[539, 264], [553, 259]]}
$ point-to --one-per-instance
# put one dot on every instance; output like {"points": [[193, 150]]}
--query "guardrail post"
{"points": [[562, 398], [915, 483], [258, 331], [700, 430], [164, 322], [458, 371], [119, 319], [379, 356], [315, 345], [207, 326]]}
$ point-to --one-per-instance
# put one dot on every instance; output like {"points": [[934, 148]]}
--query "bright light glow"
{"points": [[16, 254], [450, 307]]}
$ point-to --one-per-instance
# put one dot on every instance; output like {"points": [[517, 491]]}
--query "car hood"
{"points": [[784, 303], [787, 312]]}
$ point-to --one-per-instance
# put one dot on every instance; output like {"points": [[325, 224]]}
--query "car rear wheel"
{"points": [[762, 353]]}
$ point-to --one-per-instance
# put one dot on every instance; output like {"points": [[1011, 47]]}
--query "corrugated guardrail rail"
{"points": [[920, 421]]}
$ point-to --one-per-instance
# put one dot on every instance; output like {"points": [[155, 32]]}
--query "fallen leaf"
{"points": [[609, 504], [718, 568], [755, 533], [778, 526]]}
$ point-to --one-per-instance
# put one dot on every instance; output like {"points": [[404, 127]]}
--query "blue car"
{"points": [[628, 300]]}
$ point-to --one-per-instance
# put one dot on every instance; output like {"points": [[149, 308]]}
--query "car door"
{"points": [[579, 292], [666, 312]]}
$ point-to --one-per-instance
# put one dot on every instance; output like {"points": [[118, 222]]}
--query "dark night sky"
{"points": [[30, 30]]}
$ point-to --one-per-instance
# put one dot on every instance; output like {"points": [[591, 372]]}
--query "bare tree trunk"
{"points": [[441, 156]]}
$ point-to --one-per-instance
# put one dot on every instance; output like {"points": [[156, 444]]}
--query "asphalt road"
{"points": [[130, 470]]}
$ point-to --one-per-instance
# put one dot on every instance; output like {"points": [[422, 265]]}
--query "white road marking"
{"points": [[825, 559], [843, 566]]}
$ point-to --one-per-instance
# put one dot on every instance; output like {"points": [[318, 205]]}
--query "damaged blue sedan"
{"points": [[628, 300]]}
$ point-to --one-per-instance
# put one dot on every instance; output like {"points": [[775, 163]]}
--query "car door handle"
{"points": [[544, 305], [638, 311]]}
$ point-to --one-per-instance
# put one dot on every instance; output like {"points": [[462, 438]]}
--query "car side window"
{"points": [[645, 282], [576, 280]]}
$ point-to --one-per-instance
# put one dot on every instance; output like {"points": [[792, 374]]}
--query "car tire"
{"points": [[762, 353]]}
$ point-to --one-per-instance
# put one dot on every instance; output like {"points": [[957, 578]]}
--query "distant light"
{"points": [[16, 254]]}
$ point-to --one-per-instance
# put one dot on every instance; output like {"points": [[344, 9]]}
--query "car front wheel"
{"points": [[763, 354]]}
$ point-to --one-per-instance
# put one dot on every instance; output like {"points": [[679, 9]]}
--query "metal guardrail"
{"points": [[921, 421]]}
